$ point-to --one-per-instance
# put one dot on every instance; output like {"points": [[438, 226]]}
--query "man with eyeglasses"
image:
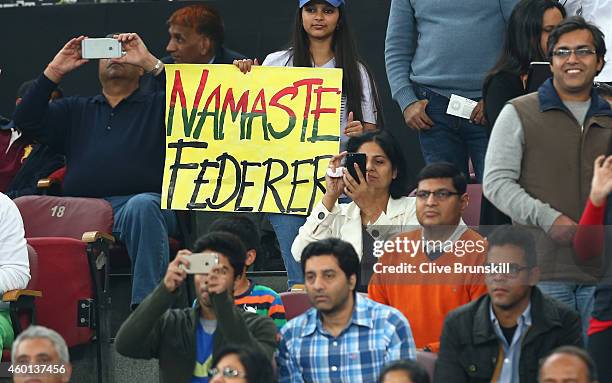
{"points": [[420, 278], [502, 336], [541, 154]]}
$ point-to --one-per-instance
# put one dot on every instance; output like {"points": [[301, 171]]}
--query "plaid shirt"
{"points": [[376, 335]]}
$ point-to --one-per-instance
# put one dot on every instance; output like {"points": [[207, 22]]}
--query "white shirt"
{"points": [[368, 107], [598, 12], [14, 264]]}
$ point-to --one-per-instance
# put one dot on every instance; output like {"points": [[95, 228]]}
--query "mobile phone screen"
{"points": [[355, 158]]}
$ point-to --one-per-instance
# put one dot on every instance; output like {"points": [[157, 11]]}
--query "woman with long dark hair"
{"points": [[322, 39], [526, 39]]}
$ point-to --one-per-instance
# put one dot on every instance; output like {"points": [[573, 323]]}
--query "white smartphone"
{"points": [[102, 48], [201, 263]]}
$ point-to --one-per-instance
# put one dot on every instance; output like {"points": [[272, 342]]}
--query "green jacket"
{"points": [[154, 330]]}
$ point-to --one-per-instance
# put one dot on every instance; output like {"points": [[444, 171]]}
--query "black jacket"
{"points": [[470, 348]]}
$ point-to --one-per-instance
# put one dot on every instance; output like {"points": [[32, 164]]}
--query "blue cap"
{"points": [[335, 3]]}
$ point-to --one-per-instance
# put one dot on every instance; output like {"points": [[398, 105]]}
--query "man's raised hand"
{"points": [[66, 60]]}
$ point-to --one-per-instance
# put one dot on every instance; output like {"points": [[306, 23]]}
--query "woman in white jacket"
{"points": [[379, 206]]}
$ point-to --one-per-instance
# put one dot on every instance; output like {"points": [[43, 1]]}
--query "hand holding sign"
{"points": [[353, 128], [245, 64]]}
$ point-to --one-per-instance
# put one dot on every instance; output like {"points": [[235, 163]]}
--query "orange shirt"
{"points": [[424, 290]]}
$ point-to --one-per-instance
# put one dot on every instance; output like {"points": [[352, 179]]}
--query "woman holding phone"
{"points": [[322, 39], [378, 199], [526, 41]]}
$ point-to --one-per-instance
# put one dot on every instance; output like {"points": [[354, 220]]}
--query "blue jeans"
{"points": [[451, 139], [578, 297], [144, 228], [286, 228]]}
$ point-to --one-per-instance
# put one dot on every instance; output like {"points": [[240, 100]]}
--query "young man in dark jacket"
{"points": [[502, 336], [184, 340]]}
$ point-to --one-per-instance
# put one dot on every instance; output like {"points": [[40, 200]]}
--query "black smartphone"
{"points": [[355, 158], [538, 73]]}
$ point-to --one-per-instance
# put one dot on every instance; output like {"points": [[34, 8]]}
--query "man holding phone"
{"points": [[184, 340], [114, 147]]}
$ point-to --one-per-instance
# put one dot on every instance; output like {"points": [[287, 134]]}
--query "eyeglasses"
{"points": [[512, 269], [439, 195], [227, 372], [580, 52]]}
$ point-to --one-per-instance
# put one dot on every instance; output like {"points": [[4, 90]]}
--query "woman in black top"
{"points": [[526, 39]]}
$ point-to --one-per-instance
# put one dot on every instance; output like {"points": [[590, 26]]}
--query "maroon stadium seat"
{"points": [[295, 302], [471, 214], [428, 361], [21, 302], [71, 238]]}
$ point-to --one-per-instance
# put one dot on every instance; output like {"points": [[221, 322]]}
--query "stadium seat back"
{"points": [[428, 361], [296, 303], [49, 216], [65, 281], [471, 214]]}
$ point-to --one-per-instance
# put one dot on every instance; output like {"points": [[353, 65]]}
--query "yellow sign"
{"points": [[259, 141]]}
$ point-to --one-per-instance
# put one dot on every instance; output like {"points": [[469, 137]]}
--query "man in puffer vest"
{"points": [[540, 158]]}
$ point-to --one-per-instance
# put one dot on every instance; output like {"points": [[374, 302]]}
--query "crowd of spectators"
{"points": [[373, 259]]}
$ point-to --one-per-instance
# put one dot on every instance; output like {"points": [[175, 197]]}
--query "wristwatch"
{"points": [[157, 68]]}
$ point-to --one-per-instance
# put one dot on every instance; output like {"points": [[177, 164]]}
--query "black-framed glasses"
{"points": [[510, 270], [439, 195], [580, 52], [227, 372]]}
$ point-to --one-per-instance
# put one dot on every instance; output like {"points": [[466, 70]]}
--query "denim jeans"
{"points": [[451, 139], [286, 227], [578, 297], [144, 228]]}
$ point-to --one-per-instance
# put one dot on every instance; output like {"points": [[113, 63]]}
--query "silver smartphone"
{"points": [[100, 48], [201, 263]]}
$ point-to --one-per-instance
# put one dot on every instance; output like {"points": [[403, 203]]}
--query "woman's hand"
{"points": [[362, 194], [333, 185], [245, 64], [353, 128]]}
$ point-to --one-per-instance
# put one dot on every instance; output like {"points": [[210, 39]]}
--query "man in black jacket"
{"points": [[184, 340], [502, 336]]}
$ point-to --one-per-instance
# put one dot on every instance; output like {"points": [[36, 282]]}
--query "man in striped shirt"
{"points": [[345, 337], [248, 295]]}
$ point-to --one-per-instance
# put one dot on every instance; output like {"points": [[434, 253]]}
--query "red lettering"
{"points": [[234, 108], [318, 110], [261, 99], [309, 82], [177, 88], [290, 90]]}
